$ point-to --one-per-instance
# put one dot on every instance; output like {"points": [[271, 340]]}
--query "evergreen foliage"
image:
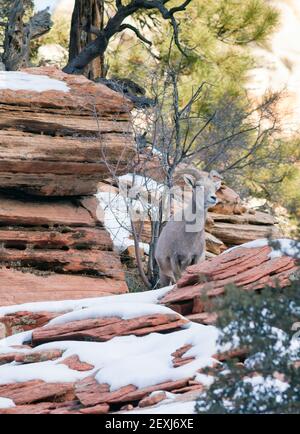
{"points": [[267, 325]]}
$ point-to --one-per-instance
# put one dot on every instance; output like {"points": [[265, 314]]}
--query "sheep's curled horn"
{"points": [[214, 174], [189, 171], [197, 174]]}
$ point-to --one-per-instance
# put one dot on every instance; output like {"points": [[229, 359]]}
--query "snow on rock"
{"points": [[116, 219], [6, 403], [131, 349], [155, 360], [251, 266], [138, 365], [280, 247], [15, 340], [149, 297], [122, 310], [131, 200], [16, 80], [45, 371], [141, 361], [185, 407]]}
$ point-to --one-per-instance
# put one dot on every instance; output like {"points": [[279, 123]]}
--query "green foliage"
{"points": [[264, 324], [215, 44], [253, 21], [278, 181]]}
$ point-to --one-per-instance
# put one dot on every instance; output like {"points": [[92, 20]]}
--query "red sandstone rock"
{"points": [[180, 361], [190, 388], [44, 408], [239, 353], [73, 362], [181, 351], [91, 393], [55, 143], [103, 329], [7, 358], [152, 400], [39, 408], [30, 287], [63, 248], [229, 202], [97, 409], [203, 318], [75, 261], [22, 321], [235, 234], [139, 394], [33, 391], [248, 268], [38, 356]]}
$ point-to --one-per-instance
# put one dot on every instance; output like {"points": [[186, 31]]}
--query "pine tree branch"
{"points": [[136, 31]]}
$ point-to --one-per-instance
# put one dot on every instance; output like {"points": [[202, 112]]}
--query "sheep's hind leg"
{"points": [[176, 267], [164, 280]]}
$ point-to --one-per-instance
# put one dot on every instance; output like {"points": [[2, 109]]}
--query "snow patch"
{"points": [[15, 80], [45, 371], [117, 219], [17, 339], [286, 247], [70, 305], [141, 361], [187, 407], [121, 310], [132, 199], [6, 403], [153, 363]]}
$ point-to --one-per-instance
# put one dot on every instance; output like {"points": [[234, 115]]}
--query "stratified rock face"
{"points": [[55, 250], [127, 352], [104, 329], [248, 268], [60, 134]]}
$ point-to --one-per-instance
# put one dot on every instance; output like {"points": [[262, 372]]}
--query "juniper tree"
{"points": [[266, 325], [21, 27]]}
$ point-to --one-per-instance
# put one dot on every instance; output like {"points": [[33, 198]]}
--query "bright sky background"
{"points": [[43, 4]]}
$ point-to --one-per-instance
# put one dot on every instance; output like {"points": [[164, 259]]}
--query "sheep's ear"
{"points": [[189, 180]]}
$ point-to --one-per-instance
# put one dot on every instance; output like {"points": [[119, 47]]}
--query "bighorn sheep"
{"points": [[182, 241]]}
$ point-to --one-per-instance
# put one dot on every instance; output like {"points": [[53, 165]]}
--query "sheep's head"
{"points": [[205, 185]]}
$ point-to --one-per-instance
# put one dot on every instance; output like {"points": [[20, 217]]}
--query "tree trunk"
{"points": [[18, 35], [88, 15], [14, 56]]}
